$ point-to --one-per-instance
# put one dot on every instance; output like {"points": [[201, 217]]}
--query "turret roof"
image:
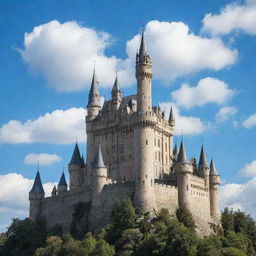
{"points": [[143, 46], [98, 161], [37, 186], [76, 157], [171, 117], [202, 160], [182, 157], [213, 170], [94, 91], [116, 86], [62, 181], [176, 150]]}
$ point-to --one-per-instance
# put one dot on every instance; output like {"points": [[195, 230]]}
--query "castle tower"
{"points": [[143, 76], [74, 169], [116, 94], [183, 170], [144, 134], [99, 176], [62, 186], [203, 168], [172, 124], [36, 195], [93, 108], [214, 187], [54, 191]]}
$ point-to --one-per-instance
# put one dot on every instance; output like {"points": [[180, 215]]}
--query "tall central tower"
{"points": [[144, 134], [143, 76]]}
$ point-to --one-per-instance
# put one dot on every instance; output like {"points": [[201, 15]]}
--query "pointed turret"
{"points": [[175, 152], [171, 117], [116, 93], [54, 191], [203, 161], [76, 157], [93, 106], [143, 47], [62, 181], [62, 186], [213, 171], [94, 96], [98, 161], [37, 186], [182, 157]]}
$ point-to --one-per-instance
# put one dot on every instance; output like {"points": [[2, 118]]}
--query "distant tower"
{"points": [[143, 76], [93, 108], [116, 94], [54, 191], [74, 169], [172, 124], [214, 187], [144, 134], [183, 170], [203, 168], [62, 186], [36, 195], [99, 172]]}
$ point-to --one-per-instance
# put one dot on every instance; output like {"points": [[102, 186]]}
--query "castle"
{"points": [[130, 153]]}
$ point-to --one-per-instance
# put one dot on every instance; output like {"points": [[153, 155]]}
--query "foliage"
{"points": [[122, 217], [79, 224], [185, 217], [23, 237]]}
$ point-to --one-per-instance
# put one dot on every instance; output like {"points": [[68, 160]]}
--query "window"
{"points": [[159, 143], [146, 142]]}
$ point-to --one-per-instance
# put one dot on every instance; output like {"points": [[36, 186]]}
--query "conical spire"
{"points": [[98, 161], [171, 117], [182, 157], [116, 86], [203, 161], [62, 181], [37, 186], [94, 96], [54, 191], [213, 170], [176, 150], [76, 157], [143, 46]]}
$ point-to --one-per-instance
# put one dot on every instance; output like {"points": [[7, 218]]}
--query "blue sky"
{"points": [[204, 63]]}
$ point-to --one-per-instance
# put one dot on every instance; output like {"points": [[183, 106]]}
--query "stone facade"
{"points": [[130, 154]]}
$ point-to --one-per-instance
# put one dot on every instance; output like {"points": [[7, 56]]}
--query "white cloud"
{"points": [[249, 170], [43, 159], [250, 121], [14, 197], [176, 51], [232, 17], [239, 196], [208, 90], [57, 127], [225, 112], [186, 125], [64, 54]]}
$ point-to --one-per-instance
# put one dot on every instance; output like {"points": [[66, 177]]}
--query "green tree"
{"points": [[231, 251], [52, 248], [185, 217], [227, 220], [210, 246], [23, 237], [122, 217]]}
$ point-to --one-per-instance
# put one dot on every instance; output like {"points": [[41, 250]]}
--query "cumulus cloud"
{"points": [[43, 159], [14, 196], [176, 51], [250, 121], [249, 170], [239, 196], [57, 127], [64, 54], [234, 16], [184, 125], [208, 90], [225, 112]]}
